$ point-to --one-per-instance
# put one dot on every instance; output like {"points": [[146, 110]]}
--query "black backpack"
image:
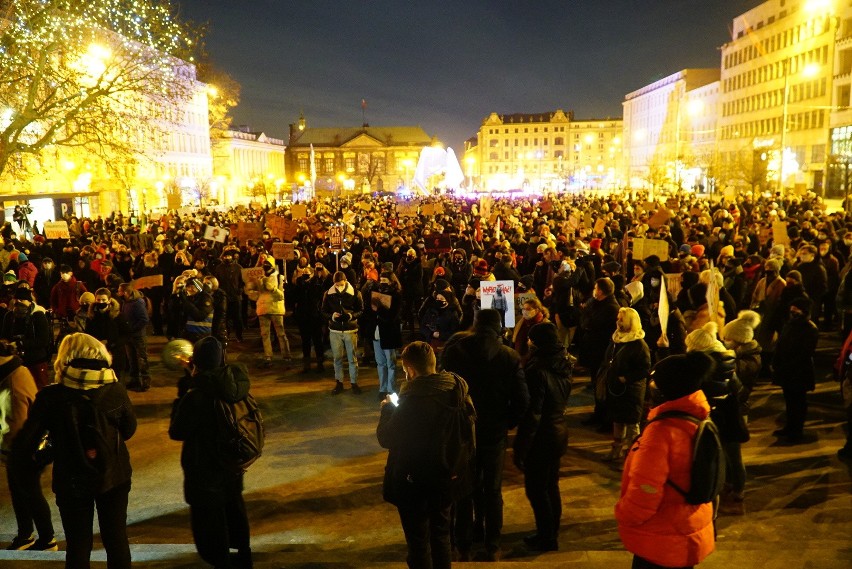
{"points": [[459, 432], [239, 432], [707, 474], [95, 439]]}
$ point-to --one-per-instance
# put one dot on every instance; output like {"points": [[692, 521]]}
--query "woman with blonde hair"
{"points": [[88, 416]]}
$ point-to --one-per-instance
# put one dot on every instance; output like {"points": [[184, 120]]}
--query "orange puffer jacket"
{"points": [[654, 520]]}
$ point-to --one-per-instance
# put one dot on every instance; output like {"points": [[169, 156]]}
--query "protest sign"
{"points": [[248, 230], [252, 274], [438, 243], [299, 211], [56, 230], [365, 206], [673, 283], [147, 282], [660, 218], [644, 248], [336, 237], [218, 234], [546, 206], [427, 209], [485, 206], [600, 224], [779, 233], [499, 295], [274, 224], [283, 250]]}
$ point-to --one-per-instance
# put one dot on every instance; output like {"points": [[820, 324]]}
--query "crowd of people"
{"points": [[748, 283]]}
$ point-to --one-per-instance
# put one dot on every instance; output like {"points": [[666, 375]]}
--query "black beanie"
{"points": [[682, 375], [803, 303], [488, 319], [543, 335], [207, 353]]}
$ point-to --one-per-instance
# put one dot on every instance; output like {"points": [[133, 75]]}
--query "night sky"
{"points": [[446, 65]]}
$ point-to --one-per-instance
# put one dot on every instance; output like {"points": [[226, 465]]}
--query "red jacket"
{"points": [[65, 297], [654, 520]]}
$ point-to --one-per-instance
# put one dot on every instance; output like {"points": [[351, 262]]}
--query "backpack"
{"points": [[459, 452], [707, 474], [95, 440], [239, 432]]}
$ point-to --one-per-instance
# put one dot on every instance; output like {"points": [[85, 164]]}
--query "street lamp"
{"points": [[808, 70]]}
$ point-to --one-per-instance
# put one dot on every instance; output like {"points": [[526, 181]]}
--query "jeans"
{"points": [[386, 364], [219, 526], [735, 472], [137, 350], [266, 323], [343, 345], [427, 533], [488, 496], [77, 515], [28, 501]]}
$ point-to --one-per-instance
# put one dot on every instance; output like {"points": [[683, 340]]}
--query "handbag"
{"points": [[729, 420], [43, 453], [601, 377]]}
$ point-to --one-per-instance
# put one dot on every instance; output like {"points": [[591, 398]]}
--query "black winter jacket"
{"points": [[48, 413], [347, 304], [544, 427], [193, 421], [414, 471], [496, 379]]}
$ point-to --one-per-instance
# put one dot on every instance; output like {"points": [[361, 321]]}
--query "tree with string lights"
{"points": [[104, 77]]}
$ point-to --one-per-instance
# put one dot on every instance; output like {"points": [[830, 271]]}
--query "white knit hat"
{"points": [[705, 339], [741, 330]]}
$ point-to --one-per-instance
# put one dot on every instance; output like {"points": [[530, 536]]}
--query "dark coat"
{"points": [[793, 361], [347, 303], [814, 278], [630, 360], [598, 320], [32, 332], [413, 473], [543, 430], [48, 414], [193, 421], [496, 379], [386, 319]]}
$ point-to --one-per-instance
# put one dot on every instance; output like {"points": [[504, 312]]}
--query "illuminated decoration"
{"points": [[104, 76]]}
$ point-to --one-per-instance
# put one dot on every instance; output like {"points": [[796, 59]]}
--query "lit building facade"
{"points": [[543, 152], [243, 160], [354, 159], [839, 163], [776, 96], [670, 131]]}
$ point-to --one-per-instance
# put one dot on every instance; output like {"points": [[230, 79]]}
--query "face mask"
{"points": [[344, 265], [655, 283], [228, 261], [21, 309], [101, 305], [806, 258], [48, 267], [66, 277]]}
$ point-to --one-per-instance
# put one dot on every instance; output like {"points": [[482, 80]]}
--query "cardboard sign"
{"points": [[299, 211], [439, 208], [336, 237], [147, 282], [56, 230], [485, 206], [283, 250], [673, 283], [499, 295], [573, 222], [660, 218], [315, 225], [546, 207], [779, 233], [644, 248], [218, 234], [600, 225], [439, 243], [349, 217], [378, 299], [695, 212], [252, 274], [427, 209], [672, 203], [365, 206], [406, 209], [587, 220]]}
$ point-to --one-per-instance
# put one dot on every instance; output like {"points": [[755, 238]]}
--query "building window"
{"points": [[303, 164], [349, 162], [493, 156], [329, 165], [558, 141]]}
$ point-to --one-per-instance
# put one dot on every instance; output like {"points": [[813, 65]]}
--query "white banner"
{"points": [[499, 295]]}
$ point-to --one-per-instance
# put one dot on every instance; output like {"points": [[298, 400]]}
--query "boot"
{"points": [[338, 388], [306, 366], [616, 452]]}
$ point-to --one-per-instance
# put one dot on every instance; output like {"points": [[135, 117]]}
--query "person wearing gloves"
{"points": [[629, 360], [542, 436], [655, 522]]}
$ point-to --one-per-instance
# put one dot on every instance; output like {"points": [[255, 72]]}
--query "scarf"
{"points": [[85, 374], [634, 331]]}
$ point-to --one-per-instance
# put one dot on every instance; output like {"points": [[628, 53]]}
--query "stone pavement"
{"points": [[314, 498]]}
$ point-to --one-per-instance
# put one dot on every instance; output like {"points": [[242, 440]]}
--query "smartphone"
{"points": [[394, 398]]}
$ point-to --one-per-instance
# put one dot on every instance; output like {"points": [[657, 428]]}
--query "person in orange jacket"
{"points": [[655, 522]]}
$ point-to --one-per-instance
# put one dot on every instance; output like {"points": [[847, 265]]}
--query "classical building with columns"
{"points": [[244, 161], [354, 159]]}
